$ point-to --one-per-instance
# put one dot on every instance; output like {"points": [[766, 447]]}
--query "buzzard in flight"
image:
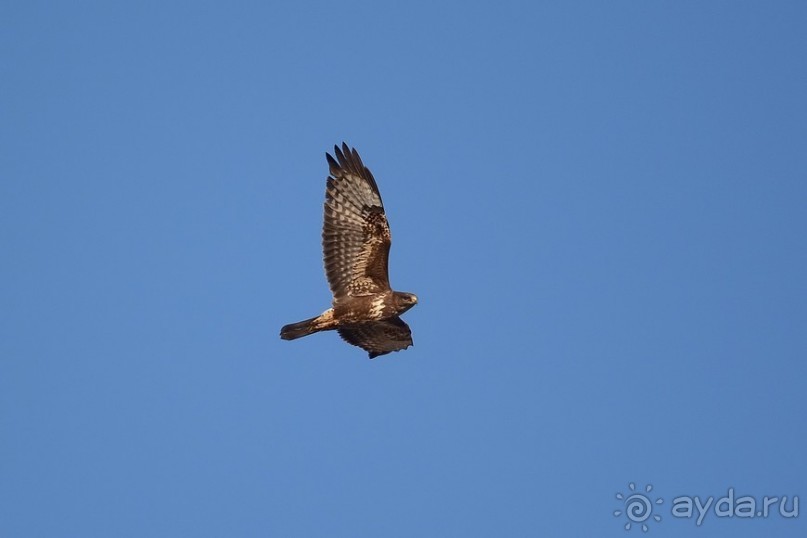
{"points": [[355, 243]]}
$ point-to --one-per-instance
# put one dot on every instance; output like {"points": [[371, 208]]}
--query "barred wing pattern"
{"points": [[378, 337], [355, 237]]}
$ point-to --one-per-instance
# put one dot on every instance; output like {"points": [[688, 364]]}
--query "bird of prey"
{"points": [[355, 243]]}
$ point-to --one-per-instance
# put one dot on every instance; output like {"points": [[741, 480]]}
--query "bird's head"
{"points": [[405, 300]]}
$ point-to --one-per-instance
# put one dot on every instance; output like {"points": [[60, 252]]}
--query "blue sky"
{"points": [[601, 207]]}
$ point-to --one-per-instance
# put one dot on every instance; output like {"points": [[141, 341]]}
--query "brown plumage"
{"points": [[355, 242]]}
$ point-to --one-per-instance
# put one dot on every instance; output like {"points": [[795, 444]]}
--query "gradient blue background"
{"points": [[601, 205]]}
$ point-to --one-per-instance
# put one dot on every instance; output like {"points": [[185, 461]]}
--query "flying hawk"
{"points": [[355, 243]]}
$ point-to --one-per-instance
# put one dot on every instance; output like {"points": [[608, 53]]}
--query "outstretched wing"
{"points": [[378, 337], [355, 236]]}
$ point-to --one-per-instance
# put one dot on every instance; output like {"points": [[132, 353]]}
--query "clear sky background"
{"points": [[602, 207]]}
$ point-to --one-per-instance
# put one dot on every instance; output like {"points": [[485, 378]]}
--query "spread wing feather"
{"points": [[355, 237], [378, 337]]}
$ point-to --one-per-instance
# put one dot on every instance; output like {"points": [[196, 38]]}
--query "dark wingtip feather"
{"points": [[339, 155], [347, 159], [332, 164]]}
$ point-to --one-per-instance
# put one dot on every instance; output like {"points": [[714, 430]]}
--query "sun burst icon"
{"points": [[638, 507]]}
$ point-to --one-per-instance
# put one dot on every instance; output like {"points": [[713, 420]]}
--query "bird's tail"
{"points": [[293, 331]]}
